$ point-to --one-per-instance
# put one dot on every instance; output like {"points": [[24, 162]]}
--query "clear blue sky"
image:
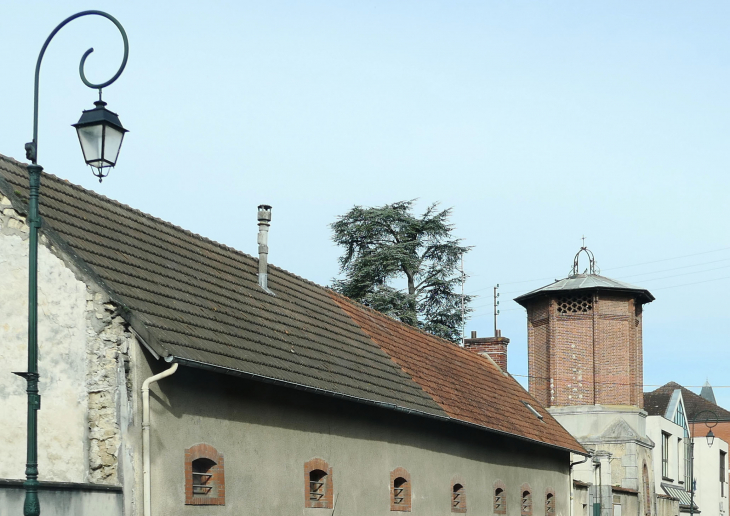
{"points": [[538, 122]]}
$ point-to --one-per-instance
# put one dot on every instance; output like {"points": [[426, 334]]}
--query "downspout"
{"points": [[146, 434], [570, 479]]}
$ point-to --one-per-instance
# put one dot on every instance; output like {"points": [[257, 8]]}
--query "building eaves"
{"points": [[198, 302], [586, 282]]}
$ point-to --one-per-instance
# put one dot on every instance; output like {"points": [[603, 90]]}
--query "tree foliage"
{"points": [[403, 265]]}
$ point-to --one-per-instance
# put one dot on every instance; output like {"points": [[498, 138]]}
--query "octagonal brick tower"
{"points": [[584, 340]]}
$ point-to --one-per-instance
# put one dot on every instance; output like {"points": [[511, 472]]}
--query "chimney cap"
{"points": [[264, 213]]}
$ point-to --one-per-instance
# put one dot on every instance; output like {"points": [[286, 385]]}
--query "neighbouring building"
{"points": [[675, 413], [267, 394], [586, 366]]}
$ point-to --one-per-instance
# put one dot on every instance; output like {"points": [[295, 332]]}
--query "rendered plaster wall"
{"points": [[666, 506], [581, 501], [656, 425], [83, 357], [589, 421], [64, 502], [710, 497], [625, 504], [266, 434]]}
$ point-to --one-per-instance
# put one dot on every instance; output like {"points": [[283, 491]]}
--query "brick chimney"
{"points": [[495, 347]]}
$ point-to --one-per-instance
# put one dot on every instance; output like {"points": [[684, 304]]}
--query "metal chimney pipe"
{"points": [[264, 217]]}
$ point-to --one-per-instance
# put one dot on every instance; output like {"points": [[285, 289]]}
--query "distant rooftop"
{"points": [[707, 393]]}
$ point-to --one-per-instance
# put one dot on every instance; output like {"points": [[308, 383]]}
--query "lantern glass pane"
{"points": [[112, 143], [90, 138]]}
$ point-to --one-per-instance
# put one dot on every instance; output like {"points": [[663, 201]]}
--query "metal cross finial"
{"points": [[584, 241]]}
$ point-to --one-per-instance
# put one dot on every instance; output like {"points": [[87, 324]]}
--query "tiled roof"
{"points": [[468, 386], [587, 282], [198, 302], [656, 402]]}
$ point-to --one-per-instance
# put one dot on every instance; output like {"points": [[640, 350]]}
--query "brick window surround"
{"points": [[205, 482], [458, 495], [400, 490], [549, 501], [318, 486], [500, 497], [526, 500]]}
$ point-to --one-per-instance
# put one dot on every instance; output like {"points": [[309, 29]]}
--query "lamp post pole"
{"points": [[710, 439], [31, 506]]}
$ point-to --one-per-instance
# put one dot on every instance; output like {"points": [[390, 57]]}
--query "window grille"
{"points": [[203, 477], [317, 489], [575, 304], [399, 487], [457, 497]]}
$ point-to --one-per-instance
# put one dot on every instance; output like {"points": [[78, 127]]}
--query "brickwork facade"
{"points": [[584, 348], [494, 347]]}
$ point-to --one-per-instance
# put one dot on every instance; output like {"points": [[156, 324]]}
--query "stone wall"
{"points": [[108, 385], [83, 362]]}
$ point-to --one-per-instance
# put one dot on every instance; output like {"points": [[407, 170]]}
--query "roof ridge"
{"points": [[147, 217]]}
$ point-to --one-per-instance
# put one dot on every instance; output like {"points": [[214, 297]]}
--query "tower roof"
{"points": [[708, 393], [590, 282]]}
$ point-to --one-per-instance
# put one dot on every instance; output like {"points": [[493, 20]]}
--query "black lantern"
{"points": [[100, 134], [710, 438]]}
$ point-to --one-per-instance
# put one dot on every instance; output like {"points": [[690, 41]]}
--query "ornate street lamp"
{"points": [[710, 439], [100, 134], [100, 142]]}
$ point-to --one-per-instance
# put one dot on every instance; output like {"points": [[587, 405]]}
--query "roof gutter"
{"points": [[381, 404]]}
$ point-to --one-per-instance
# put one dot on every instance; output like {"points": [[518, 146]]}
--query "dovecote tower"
{"points": [[584, 340]]}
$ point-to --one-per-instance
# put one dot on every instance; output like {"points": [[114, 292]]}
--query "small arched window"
{"points": [[400, 490], [550, 503], [526, 509], [204, 479], [458, 497], [317, 484], [500, 501]]}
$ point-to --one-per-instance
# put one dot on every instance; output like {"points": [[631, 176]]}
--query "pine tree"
{"points": [[403, 265]]}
